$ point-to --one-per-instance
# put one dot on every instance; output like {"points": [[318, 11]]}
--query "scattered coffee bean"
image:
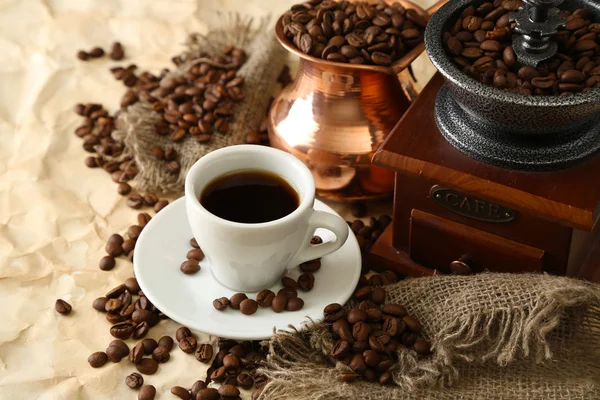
{"points": [[412, 323], [134, 380], [221, 303], [147, 366], [62, 307], [117, 53], [135, 201], [160, 204], [123, 188], [197, 386], [311, 266], [128, 246], [288, 292], [194, 244], [294, 304], [182, 332], [149, 346], [279, 303], [195, 254], [188, 344], [265, 298], [98, 359], [236, 300], [288, 282], [100, 303], [113, 249], [316, 240], [228, 391], [137, 353], [181, 392], [96, 52], [306, 281], [204, 353], [82, 55], [333, 312], [166, 342], [248, 306], [147, 392], [160, 354], [190, 267], [208, 394], [107, 262], [378, 295], [122, 330], [358, 210]]}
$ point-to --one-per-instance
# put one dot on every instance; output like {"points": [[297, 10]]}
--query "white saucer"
{"points": [[187, 299]]}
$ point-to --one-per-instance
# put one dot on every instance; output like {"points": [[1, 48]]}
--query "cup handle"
{"points": [[321, 219]]}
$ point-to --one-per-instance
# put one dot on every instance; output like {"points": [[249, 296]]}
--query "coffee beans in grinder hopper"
{"points": [[480, 43], [354, 32]]}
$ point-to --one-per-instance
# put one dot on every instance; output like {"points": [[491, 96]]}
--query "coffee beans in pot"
{"points": [[354, 32], [480, 43]]}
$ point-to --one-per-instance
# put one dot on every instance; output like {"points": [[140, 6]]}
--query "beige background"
{"points": [[55, 214]]}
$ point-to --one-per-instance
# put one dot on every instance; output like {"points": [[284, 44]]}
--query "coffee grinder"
{"points": [[492, 180]]}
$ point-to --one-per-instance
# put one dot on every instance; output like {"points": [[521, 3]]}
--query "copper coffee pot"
{"points": [[334, 116]]}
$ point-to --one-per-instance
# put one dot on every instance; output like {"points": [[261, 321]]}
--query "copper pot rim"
{"points": [[394, 69]]}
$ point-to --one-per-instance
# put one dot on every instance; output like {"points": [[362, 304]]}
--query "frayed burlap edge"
{"points": [[511, 332]]}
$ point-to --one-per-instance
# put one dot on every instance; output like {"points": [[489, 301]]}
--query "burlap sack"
{"points": [[265, 61], [495, 336]]}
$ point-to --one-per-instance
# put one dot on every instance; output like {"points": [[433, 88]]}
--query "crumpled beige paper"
{"points": [[56, 214]]}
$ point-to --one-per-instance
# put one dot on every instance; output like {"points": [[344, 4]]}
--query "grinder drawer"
{"points": [[438, 243]]}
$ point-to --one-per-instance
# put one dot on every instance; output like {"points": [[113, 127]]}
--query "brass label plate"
{"points": [[471, 207]]}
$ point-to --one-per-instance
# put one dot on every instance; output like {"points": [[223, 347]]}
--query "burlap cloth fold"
{"points": [[265, 61], [495, 336]]}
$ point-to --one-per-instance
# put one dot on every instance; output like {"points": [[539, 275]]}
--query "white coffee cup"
{"points": [[252, 257]]}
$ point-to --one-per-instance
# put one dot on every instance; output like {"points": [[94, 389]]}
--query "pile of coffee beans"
{"points": [[370, 335], [368, 234], [117, 53], [480, 43], [354, 32], [196, 104]]}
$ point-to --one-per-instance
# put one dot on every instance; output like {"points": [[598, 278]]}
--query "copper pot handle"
{"points": [[405, 61]]}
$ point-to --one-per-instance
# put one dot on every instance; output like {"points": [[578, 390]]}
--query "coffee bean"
{"points": [[372, 359], [190, 267], [245, 381], [182, 332], [572, 76], [294, 304], [197, 386], [422, 347], [288, 282], [112, 305], [122, 330], [204, 353], [412, 323], [231, 362], [208, 394], [147, 392], [333, 312], [188, 344], [311, 266], [173, 167], [107, 262], [361, 331], [137, 353], [236, 300], [543, 82], [100, 303], [340, 350], [348, 377], [195, 254], [315, 240], [62, 307], [149, 346], [134, 380], [279, 303], [115, 238], [96, 52], [181, 392], [228, 391], [140, 330], [363, 293], [116, 291], [82, 55], [376, 345], [135, 201], [357, 364], [98, 359], [306, 281], [265, 298], [160, 354], [355, 315], [160, 204], [249, 306], [221, 303], [166, 342], [378, 295]]}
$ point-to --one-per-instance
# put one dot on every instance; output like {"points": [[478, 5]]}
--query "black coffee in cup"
{"points": [[250, 197]]}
